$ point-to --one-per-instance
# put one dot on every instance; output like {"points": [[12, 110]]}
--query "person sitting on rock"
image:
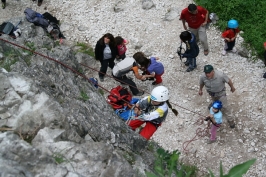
{"points": [[151, 111]]}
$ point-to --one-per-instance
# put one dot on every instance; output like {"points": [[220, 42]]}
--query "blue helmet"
{"points": [[232, 23], [217, 104]]}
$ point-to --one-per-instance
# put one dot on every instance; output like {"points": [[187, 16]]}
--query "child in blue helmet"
{"points": [[230, 35], [215, 117]]}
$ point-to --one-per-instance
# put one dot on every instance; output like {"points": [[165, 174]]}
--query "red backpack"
{"points": [[119, 97]]}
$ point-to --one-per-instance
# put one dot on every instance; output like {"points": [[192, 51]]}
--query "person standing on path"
{"points": [[196, 18], [214, 81], [106, 52]]}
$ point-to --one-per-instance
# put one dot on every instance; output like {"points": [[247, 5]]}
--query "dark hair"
{"points": [[192, 7], [141, 59], [109, 36], [119, 40], [185, 36]]}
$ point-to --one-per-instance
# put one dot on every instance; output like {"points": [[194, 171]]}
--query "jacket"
{"points": [[99, 48], [193, 52]]}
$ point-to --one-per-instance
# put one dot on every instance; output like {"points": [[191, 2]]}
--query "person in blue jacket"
{"points": [[192, 50]]}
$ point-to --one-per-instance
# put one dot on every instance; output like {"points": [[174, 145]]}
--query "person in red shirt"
{"points": [[196, 18], [230, 35]]}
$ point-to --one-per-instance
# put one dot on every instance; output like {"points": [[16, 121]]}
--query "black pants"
{"points": [[104, 66], [4, 1], [230, 45], [132, 85]]}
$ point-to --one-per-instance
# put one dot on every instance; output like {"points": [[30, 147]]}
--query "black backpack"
{"points": [[7, 28]]}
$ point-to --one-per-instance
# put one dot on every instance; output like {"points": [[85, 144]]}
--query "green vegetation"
{"points": [[31, 46], [85, 48], [101, 91], [168, 165], [250, 15], [83, 95], [59, 158], [236, 171], [10, 58], [130, 157]]}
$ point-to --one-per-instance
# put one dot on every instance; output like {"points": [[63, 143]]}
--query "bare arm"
{"points": [[206, 19], [184, 24], [230, 83], [200, 89]]}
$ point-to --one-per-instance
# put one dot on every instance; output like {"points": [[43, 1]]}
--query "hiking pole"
{"points": [[18, 24]]}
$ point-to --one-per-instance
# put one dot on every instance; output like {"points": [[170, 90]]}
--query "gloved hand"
{"points": [[207, 118]]}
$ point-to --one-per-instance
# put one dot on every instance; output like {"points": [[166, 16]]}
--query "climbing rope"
{"points": [[199, 132]]}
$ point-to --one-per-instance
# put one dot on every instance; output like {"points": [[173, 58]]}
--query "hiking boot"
{"points": [[101, 79], [189, 69], [154, 83], [232, 124], [186, 63], [151, 79], [140, 93], [234, 50], [224, 52], [3, 5], [211, 141], [39, 2]]}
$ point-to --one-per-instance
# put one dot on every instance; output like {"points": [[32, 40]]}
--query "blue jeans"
{"points": [[192, 63]]}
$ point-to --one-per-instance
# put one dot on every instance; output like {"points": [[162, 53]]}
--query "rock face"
{"points": [[41, 104]]}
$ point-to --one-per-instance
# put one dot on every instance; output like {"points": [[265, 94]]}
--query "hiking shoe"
{"points": [[224, 52], [232, 124], [150, 78], [140, 93], [234, 50], [39, 2], [211, 141], [186, 63], [101, 79], [154, 83], [189, 69], [3, 5]]}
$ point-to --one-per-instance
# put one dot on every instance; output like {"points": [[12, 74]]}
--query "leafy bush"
{"points": [[236, 171], [167, 164], [250, 15]]}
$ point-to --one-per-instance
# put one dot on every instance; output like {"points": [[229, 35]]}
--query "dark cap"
{"points": [[208, 68], [192, 7]]}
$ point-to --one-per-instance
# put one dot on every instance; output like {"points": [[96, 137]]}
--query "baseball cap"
{"points": [[208, 68]]}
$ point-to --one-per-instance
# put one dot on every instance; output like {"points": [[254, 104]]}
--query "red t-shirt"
{"points": [[194, 20], [230, 33]]}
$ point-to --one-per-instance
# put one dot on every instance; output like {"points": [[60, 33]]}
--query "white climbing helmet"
{"points": [[160, 94]]}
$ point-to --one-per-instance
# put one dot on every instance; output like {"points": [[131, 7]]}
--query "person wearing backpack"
{"points": [[106, 52], [192, 50], [229, 36], [122, 68], [151, 111]]}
